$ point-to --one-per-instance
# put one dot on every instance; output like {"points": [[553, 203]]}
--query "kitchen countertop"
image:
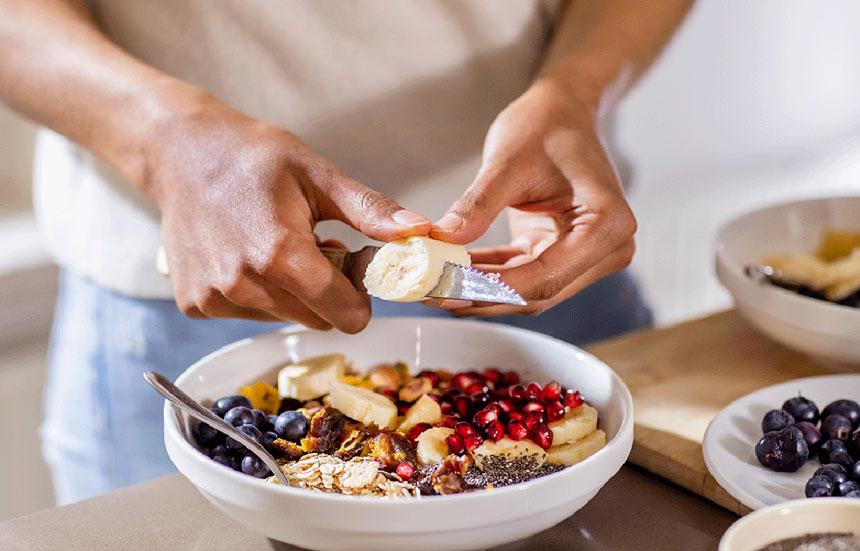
{"points": [[635, 510]]}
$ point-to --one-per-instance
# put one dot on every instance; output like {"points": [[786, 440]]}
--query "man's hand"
{"points": [[569, 221], [239, 200]]}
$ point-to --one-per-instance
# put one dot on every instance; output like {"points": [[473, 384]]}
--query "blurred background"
{"points": [[752, 103]]}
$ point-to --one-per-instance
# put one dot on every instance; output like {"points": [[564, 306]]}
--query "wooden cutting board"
{"points": [[681, 376]]}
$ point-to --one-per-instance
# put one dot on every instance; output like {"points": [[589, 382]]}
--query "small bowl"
{"points": [[792, 519], [476, 520], [828, 332]]}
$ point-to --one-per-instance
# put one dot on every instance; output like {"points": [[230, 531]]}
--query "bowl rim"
{"points": [[793, 505], [624, 432], [737, 270]]}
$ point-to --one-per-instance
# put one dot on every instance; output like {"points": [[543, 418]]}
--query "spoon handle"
{"points": [[193, 408]]}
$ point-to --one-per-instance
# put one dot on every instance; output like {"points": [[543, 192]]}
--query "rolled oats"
{"points": [[358, 476]]}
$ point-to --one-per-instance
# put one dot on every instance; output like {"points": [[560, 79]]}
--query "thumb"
{"points": [[373, 213], [471, 215]]}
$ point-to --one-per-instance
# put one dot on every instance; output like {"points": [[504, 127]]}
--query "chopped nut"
{"points": [[385, 376], [415, 388]]}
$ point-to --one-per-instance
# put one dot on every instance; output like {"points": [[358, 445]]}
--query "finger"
{"points": [[471, 215], [306, 274], [277, 303], [609, 265], [369, 211], [495, 255], [334, 244], [213, 305], [447, 303]]}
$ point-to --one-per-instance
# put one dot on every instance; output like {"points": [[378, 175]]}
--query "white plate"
{"points": [[730, 440]]}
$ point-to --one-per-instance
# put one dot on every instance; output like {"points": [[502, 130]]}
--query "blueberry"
{"points": [[227, 460], [204, 434], [835, 472], [289, 404], [229, 402], [847, 487], [292, 425], [855, 494], [842, 458], [239, 415], [811, 434], [220, 449], [270, 419], [260, 420], [836, 426], [250, 430], [853, 444], [854, 471], [802, 409], [254, 466], [782, 451], [267, 439], [819, 486], [776, 419], [846, 408], [218, 412], [828, 448]]}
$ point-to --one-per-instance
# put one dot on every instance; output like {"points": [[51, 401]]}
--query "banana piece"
{"points": [[424, 410], [431, 447], [510, 448], [311, 377], [407, 269], [574, 452], [577, 424], [363, 405]]}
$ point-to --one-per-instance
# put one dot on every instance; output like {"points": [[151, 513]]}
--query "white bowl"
{"points": [[475, 520], [828, 332], [792, 519]]}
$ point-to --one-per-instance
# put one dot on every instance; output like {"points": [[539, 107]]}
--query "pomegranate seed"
{"points": [[550, 392], [455, 444], [465, 429], [534, 405], [463, 380], [516, 416], [449, 421], [485, 416], [493, 375], [573, 400], [517, 393], [462, 405], [405, 470], [476, 388], [542, 436], [480, 400], [472, 441], [495, 430], [431, 376], [390, 392], [451, 394], [517, 430], [533, 391], [554, 411], [511, 378], [435, 397], [413, 433], [534, 418], [402, 407], [495, 407], [505, 405]]}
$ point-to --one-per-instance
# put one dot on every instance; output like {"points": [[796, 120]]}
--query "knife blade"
{"points": [[457, 282]]}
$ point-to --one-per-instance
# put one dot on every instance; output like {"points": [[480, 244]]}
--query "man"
{"points": [[230, 130]]}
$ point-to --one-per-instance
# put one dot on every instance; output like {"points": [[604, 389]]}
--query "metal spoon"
{"points": [[193, 408]]}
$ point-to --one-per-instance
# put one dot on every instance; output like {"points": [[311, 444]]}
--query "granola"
{"points": [[358, 476]]}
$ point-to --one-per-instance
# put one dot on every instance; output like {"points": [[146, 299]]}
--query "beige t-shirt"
{"points": [[398, 94]]}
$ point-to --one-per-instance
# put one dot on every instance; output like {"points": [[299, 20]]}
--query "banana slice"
{"points": [[425, 410], [363, 405], [407, 269], [311, 377], [577, 424], [574, 452], [431, 447], [512, 449]]}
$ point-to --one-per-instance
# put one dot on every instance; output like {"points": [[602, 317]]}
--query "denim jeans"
{"points": [[103, 424]]}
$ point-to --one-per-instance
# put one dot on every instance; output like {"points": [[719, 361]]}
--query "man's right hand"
{"points": [[239, 200]]}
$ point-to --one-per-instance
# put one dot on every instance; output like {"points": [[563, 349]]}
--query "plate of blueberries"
{"points": [[796, 439]]}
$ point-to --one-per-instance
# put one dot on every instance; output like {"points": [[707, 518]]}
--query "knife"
{"points": [[457, 282]]}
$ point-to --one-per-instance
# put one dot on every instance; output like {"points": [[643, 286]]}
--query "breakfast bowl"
{"points": [[800, 518], [826, 331], [474, 520]]}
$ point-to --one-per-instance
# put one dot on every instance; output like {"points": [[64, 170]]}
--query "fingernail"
{"points": [[408, 218], [449, 222]]}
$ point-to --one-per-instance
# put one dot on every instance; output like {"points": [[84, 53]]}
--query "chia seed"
{"points": [[498, 470]]}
